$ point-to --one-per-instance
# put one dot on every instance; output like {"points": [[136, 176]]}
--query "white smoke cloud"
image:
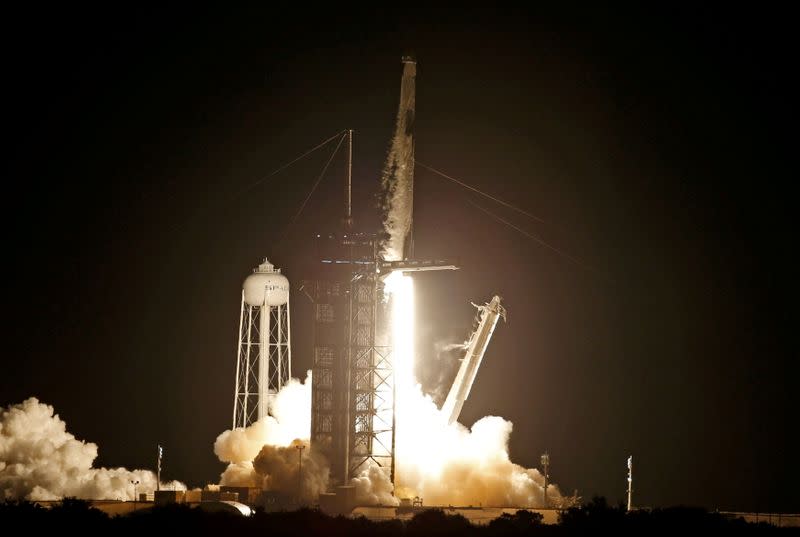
{"points": [[373, 487], [447, 463], [265, 454], [280, 470], [241, 474], [40, 460], [454, 465], [444, 464], [290, 420]]}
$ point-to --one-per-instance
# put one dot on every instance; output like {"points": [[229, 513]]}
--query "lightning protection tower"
{"points": [[264, 356]]}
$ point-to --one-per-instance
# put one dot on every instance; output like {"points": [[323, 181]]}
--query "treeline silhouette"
{"points": [[594, 518]]}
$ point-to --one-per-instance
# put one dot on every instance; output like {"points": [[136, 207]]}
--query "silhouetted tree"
{"points": [[595, 518], [436, 522], [520, 523]]}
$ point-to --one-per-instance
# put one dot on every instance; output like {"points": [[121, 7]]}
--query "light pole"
{"points": [[134, 493], [300, 448], [545, 464]]}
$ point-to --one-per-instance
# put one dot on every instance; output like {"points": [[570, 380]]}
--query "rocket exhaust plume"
{"points": [[398, 174], [447, 464], [436, 457], [443, 462], [40, 460]]}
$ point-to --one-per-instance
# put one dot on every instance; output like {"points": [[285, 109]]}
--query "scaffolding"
{"points": [[352, 418]]}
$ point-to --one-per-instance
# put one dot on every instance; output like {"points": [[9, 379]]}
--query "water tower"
{"points": [[264, 357]]}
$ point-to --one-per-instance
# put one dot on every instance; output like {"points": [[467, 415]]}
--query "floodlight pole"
{"points": [[135, 494], [300, 449], [546, 465]]}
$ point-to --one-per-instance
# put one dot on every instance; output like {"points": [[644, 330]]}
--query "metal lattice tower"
{"points": [[353, 389], [353, 392], [371, 380], [264, 355]]}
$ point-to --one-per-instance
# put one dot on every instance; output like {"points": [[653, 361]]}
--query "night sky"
{"points": [[656, 146]]}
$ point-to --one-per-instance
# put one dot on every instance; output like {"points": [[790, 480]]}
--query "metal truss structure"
{"points": [[264, 360]]}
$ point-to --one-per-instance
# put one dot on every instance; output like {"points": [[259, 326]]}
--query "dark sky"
{"points": [[656, 146]]}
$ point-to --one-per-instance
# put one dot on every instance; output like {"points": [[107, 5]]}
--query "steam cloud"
{"points": [[290, 420], [40, 460], [444, 464], [265, 454], [453, 465]]}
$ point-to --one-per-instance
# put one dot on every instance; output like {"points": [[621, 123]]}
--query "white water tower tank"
{"points": [[266, 286]]}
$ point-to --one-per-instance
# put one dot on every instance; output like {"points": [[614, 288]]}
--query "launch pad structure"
{"points": [[352, 396], [353, 391], [353, 382]]}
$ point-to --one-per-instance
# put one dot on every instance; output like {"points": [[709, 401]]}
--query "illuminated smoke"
{"points": [[373, 486], [449, 464], [397, 181], [290, 420], [444, 464], [265, 454], [40, 460], [279, 468]]}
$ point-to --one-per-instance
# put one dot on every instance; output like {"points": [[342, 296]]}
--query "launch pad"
{"points": [[362, 307]]}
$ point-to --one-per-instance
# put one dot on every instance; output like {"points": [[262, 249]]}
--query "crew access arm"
{"points": [[476, 347]]}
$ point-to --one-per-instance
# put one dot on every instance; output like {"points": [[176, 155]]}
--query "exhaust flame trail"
{"points": [[448, 464], [401, 290], [445, 463]]}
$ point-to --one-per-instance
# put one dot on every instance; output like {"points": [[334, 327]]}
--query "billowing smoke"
{"points": [[373, 487], [444, 464], [40, 460], [452, 465], [265, 454], [281, 470], [290, 420], [448, 463], [398, 174]]}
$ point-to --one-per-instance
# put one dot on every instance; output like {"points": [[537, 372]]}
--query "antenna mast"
{"points": [[348, 189]]}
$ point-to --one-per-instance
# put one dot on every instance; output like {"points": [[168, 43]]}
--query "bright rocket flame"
{"points": [[444, 464], [448, 464], [401, 290]]}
